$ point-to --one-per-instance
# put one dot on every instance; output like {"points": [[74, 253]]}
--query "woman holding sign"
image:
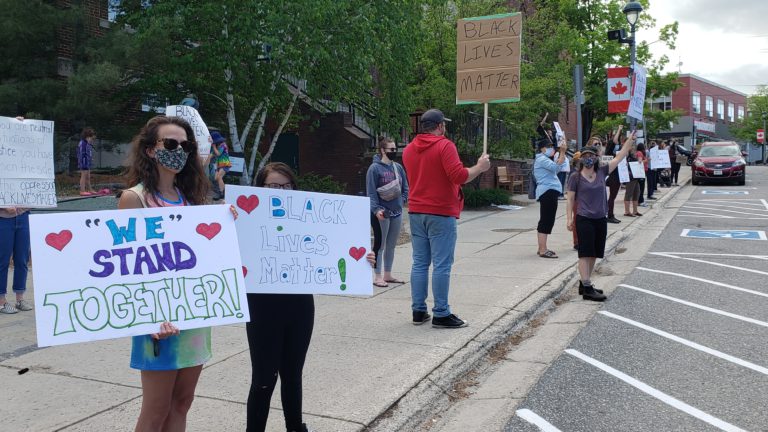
{"points": [[548, 189], [387, 188], [162, 174], [586, 191]]}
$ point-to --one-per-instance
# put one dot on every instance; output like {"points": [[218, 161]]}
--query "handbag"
{"points": [[391, 190], [681, 159]]}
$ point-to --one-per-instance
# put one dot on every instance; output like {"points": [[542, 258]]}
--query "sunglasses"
{"points": [[172, 144]]}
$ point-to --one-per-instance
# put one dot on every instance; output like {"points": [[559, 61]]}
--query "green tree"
{"points": [[757, 108]]}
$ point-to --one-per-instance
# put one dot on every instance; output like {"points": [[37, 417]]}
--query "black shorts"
{"points": [[592, 234], [547, 211]]}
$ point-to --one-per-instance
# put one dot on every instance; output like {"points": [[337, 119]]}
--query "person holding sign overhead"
{"points": [[162, 174], [279, 334], [548, 189], [586, 191]]}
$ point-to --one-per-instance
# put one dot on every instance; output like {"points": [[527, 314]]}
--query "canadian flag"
{"points": [[618, 89], [760, 136]]}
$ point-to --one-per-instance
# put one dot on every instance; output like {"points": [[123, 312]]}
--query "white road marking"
{"points": [[667, 399], [757, 206], [709, 262], [698, 306], [765, 203], [733, 287], [688, 343], [534, 419], [763, 257], [725, 210]]}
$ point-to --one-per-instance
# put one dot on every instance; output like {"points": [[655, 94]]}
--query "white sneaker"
{"points": [[8, 309], [24, 305]]}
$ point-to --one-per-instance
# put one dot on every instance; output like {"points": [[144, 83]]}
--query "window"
{"points": [[720, 109], [696, 102], [731, 112], [710, 107], [741, 112]]}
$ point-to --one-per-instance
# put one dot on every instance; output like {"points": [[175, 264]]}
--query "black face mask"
{"points": [[391, 155]]}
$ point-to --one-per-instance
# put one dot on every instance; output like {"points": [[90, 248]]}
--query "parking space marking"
{"points": [[762, 257], [698, 306], [724, 234], [688, 343], [717, 216], [733, 287], [724, 192], [757, 206], [534, 419], [663, 397], [671, 255], [697, 207]]}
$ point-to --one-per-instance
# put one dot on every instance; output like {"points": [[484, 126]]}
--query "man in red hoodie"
{"points": [[435, 175]]}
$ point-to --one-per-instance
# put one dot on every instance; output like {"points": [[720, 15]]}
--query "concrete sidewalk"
{"points": [[368, 367]]}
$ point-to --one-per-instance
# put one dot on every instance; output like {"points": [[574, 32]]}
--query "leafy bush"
{"points": [[315, 183], [475, 198]]}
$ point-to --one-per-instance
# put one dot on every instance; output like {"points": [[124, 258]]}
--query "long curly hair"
{"points": [[191, 180]]}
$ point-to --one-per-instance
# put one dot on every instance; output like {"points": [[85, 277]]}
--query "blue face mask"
{"points": [[549, 152], [616, 148], [589, 162]]}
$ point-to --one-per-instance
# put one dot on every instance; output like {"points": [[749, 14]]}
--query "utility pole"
{"points": [[765, 115]]}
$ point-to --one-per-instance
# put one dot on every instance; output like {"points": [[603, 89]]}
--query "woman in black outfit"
{"points": [[614, 185], [278, 335]]}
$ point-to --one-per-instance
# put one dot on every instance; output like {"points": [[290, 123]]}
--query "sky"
{"points": [[725, 41]]}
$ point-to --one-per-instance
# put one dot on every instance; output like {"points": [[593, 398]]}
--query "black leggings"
{"points": [[547, 211], [376, 234], [278, 338], [613, 186], [675, 171]]}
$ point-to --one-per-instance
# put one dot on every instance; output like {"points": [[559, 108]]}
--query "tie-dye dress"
{"points": [[190, 348]]}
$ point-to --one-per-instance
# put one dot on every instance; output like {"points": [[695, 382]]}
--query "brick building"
{"points": [[711, 107]]}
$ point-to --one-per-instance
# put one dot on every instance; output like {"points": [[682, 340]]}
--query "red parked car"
{"points": [[719, 162]]}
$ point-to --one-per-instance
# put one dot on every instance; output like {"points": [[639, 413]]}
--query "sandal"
{"points": [[547, 254], [629, 215], [381, 284], [637, 214], [395, 281]]}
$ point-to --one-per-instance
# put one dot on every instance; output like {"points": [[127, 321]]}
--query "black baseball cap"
{"points": [[589, 149], [433, 116]]}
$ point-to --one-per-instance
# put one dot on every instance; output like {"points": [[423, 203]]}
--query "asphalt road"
{"points": [[682, 344]]}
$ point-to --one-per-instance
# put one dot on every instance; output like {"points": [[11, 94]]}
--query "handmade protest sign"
{"points": [[637, 101], [637, 169], [297, 242], [202, 136], [26, 163], [488, 59], [109, 274], [660, 159], [623, 171]]}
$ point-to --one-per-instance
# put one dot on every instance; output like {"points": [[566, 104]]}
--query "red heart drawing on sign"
{"points": [[357, 253], [245, 271], [58, 241], [208, 231], [248, 203]]}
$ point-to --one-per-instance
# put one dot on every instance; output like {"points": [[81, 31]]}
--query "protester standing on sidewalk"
{"points": [[614, 184], [221, 159], [576, 164], [650, 173], [162, 174], [642, 157], [675, 151], [435, 175], [586, 191], [387, 188], [548, 189], [85, 160], [632, 188], [14, 242], [279, 334]]}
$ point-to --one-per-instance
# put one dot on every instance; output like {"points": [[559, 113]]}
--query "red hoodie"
{"points": [[435, 175]]}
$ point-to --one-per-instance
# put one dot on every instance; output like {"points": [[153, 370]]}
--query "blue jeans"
{"points": [[433, 239], [14, 240]]}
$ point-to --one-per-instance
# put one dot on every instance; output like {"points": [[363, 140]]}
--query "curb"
{"points": [[432, 394]]}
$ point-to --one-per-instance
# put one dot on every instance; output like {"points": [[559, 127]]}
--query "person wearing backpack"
{"points": [[586, 191]]}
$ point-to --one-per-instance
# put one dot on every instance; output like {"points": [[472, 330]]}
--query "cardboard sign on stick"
{"points": [[26, 163], [488, 59], [298, 242], [116, 273]]}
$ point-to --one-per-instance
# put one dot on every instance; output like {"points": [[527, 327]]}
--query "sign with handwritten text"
{"points": [[488, 59], [193, 117], [637, 101], [109, 274], [297, 242], [26, 163]]}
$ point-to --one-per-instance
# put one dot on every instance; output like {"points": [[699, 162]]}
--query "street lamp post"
{"points": [[632, 12]]}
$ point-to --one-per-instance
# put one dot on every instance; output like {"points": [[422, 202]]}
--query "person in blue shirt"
{"points": [[548, 189]]}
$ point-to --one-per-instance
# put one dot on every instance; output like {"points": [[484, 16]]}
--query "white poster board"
{"points": [[116, 273], [26, 163], [238, 164], [660, 158], [202, 136], [558, 130], [637, 169], [637, 102], [303, 242], [623, 171]]}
